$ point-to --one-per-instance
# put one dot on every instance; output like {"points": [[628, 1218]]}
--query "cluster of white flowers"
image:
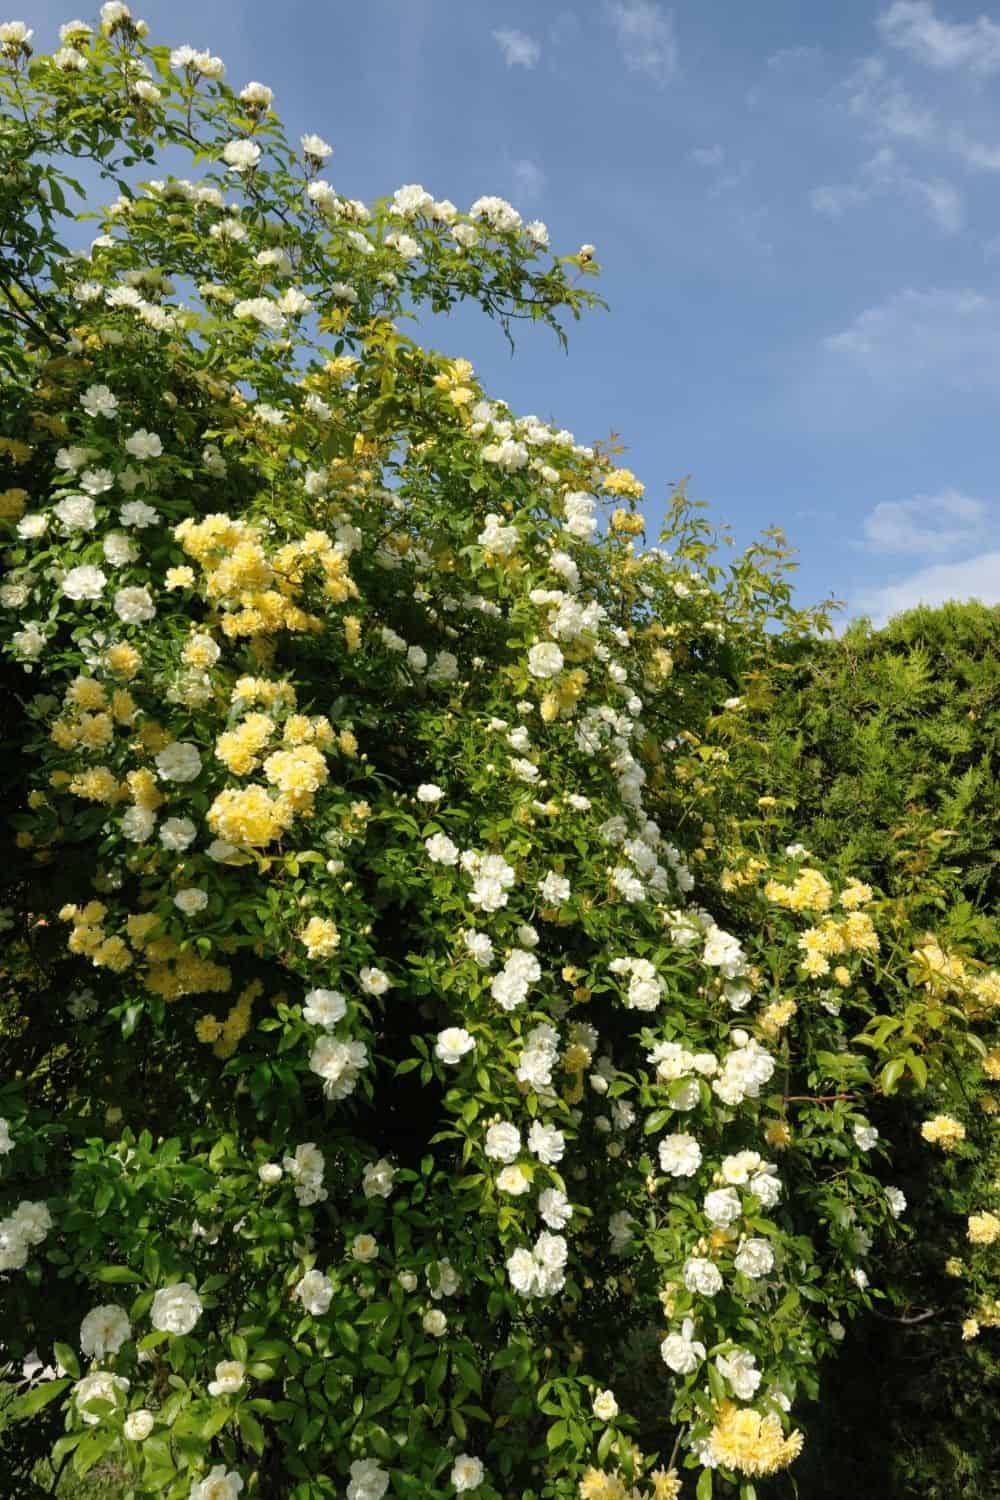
{"points": [[541, 1271], [510, 986], [743, 1071], [26, 1226], [339, 1064], [539, 1055], [645, 988], [306, 1170], [492, 879]]}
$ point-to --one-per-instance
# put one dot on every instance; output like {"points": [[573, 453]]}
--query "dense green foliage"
{"points": [[882, 749]]}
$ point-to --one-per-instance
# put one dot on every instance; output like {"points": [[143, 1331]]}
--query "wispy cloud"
{"points": [[950, 334], [519, 49], [646, 37], [708, 156], [874, 95], [926, 525], [792, 59], [913, 27], [885, 174], [975, 578], [528, 177]]}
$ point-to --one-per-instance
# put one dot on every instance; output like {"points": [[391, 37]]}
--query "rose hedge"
{"points": [[391, 1111]]}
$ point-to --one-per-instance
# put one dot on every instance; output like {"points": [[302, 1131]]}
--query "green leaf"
{"points": [[918, 1068], [215, 1421], [93, 1447], [557, 1435], [67, 1358], [251, 1429], [892, 1073], [704, 1489], [116, 1275], [655, 1121], [348, 1335], [27, 1405]]}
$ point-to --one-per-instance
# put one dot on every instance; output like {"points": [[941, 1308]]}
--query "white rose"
{"points": [[229, 1377], [377, 1179], [680, 1155], [452, 1045], [191, 900], [139, 1424], [315, 1292], [241, 156], [503, 1142], [435, 1322], [754, 1258], [176, 1309], [324, 1008], [101, 1385], [86, 582], [269, 1173], [605, 1407], [467, 1473], [104, 1330], [545, 659], [180, 761], [702, 1276]]}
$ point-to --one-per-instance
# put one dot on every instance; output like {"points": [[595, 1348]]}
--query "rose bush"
{"points": [[391, 1111]]}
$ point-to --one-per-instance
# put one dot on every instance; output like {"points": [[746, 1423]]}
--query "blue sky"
{"points": [[796, 207]]}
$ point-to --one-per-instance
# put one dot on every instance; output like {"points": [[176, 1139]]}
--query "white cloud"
{"points": [[926, 525], [519, 50], [975, 154], [912, 26], [791, 59], [874, 95], [529, 177], [950, 334], [884, 173], [975, 578], [708, 156], [645, 36]]}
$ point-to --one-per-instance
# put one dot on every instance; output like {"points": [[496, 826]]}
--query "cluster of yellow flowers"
{"points": [[454, 380], [596, 1485], [777, 1016], [854, 933], [939, 970], [90, 940], [623, 482], [561, 701], [225, 1036], [943, 1131], [320, 936], [628, 522], [752, 1444], [251, 817], [984, 1229], [89, 717], [810, 891], [258, 593]]}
